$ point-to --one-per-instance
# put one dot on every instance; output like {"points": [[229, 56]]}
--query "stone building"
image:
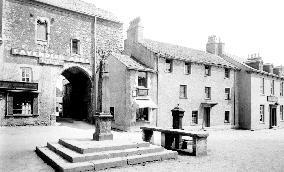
{"points": [[41, 40], [201, 83], [260, 92]]}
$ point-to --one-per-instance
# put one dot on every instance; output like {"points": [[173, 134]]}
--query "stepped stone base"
{"points": [[89, 155]]}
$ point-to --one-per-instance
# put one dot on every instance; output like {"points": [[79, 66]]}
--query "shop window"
{"points": [[194, 117], [227, 73], [142, 79], [187, 68], [26, 74], [23, 104], [261, 112], [169, 65], [142, 114], [207, 70], [227, 93], [183, 92], [207, 92], [75, 46], [42, 30], [281, 113], [227, 117], [262, 86]]}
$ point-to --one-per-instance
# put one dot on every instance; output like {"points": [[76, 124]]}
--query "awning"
{"points": [[145, 103], [208, 104]]}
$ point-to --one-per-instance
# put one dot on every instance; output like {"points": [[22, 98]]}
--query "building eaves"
{"points": [[131, 64], [81, 7], [176, 52]]}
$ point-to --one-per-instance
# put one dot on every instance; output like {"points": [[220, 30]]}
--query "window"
{"points": [[281, 113], [183, 92], [22, 104], [227, 93], [227, 117], [111, 111], [281, 88], [75, 46], [207, 92], [227, 73], [142, 79], [261, 111], [169, 65], [207, 70], [26, 74], [42, 30], [194, 117], [262, 86], [142, 114], [187, 68], [272, 88]]}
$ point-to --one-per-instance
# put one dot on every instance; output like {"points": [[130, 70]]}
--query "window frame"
{"points": [[184, 91], [187, 68], [169, 62], [227, 73], [228, 95], [209, 93], [112, 111], [207, 69], [262, 86], [142, 119], [78, 47], [262, 113], [281, 88], [42, 41], [227, 114], [24, 70], [146, 79], [281, 113], [194, 120], [272, 87]]}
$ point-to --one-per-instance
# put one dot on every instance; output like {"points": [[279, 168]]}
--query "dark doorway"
{"points": [[76, 94], [273, 114], [207, 116]]}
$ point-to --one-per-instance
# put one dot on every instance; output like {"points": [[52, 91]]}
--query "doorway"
{"points": [[273, 116], [207, 116]]}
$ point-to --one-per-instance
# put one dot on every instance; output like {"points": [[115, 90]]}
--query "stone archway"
{"points": [[77, 93]]}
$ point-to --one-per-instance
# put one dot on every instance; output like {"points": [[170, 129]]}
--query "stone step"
{"points": [[89, 146], [60, 164], [73, 156]]}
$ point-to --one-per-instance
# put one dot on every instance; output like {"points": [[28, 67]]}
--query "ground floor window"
{"points": [[195, 117], [261, 111], [142, 114], [22, 104], [227, 117]]}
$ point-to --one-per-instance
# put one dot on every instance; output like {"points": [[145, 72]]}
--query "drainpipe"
{"points": [[93, 63], [235, 97], [157, 112]]}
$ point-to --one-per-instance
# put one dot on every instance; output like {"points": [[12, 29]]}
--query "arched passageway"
{"points": [[76, 94]]}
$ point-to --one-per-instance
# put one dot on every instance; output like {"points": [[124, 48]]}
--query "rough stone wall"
{"points": [[19, 19]]}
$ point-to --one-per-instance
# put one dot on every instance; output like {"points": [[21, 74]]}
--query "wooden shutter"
{"points": [[35, 105], [9, 104]]}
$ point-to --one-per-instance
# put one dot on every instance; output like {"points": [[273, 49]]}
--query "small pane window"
{"points": [[227, 73], [169, 65], [207, 70], [75, 46], [272, 88], [227, 93], [261, 111], [23, 104], [187, 68], [142, 114], [42, 30], [195, 117], [207, 92], [227, 117], [142, 79], [262, 85], [183, 92], [26, 74]]}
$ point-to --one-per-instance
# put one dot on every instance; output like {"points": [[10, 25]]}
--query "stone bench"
{"points": [[173, 138]]}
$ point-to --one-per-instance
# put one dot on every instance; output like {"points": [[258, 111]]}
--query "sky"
{"points": [[245, 26]]}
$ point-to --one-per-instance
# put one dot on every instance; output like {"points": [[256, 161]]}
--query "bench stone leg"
{"points": [[148, 136], [199, 146], [167, 140]]}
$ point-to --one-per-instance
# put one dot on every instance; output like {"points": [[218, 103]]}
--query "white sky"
{"points": [[245, 26]]}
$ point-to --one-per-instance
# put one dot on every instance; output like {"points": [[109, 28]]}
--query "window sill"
{"points": [[182, 97], [228, 99], [21, 115], [262, 94], [207, 98], [261, 122], [193, 124], [143, 121], [226, 122], [42, 42]]}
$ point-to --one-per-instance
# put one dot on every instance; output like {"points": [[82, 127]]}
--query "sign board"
{"points": [[18, 85], [272, 99]]}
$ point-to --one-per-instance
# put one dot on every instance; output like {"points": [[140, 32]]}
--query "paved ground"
{"points": [[232, 150]]}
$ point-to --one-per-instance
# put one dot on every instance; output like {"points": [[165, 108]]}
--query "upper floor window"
{"points": [[261, 112], [183, 92], [142, 79], [169, 65], [281, 88], [272, 91], [227, 93], [42, 30], [281, 113], [187, 68], [194, 117], [26, 74], [207, 92], [207, 70], [262, 85], [227, 73], [75, 46]]}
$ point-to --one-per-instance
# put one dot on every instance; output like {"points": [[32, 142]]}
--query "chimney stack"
{"points": [[135, 30], [214, 47]]}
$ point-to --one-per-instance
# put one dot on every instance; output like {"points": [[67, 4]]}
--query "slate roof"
{"points": [[177, 52], [131, 63], [81, 7]]}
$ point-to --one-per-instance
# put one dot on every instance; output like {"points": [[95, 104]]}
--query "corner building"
{"points": [[41, 40]]}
